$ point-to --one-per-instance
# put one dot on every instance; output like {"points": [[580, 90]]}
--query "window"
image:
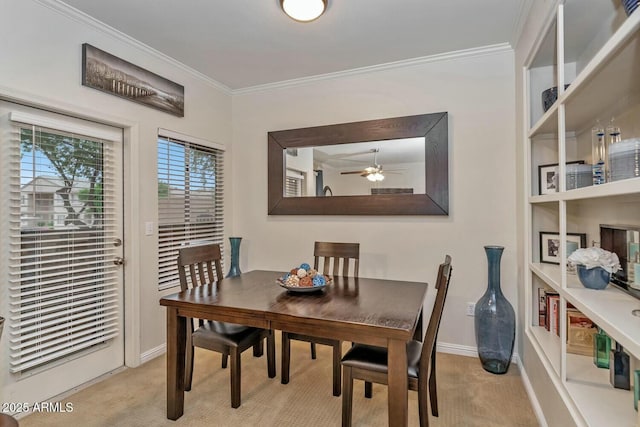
{"points": [[190, 198], [294, 184]]}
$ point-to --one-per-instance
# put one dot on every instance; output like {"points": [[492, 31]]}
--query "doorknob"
{"points": [[118, 261], [117, 242]]}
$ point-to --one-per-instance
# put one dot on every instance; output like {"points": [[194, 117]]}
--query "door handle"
{"points": [[117, 242], [118, 261]]}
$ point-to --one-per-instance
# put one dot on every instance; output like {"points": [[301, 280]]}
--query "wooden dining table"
{"points": [[380, 312]]}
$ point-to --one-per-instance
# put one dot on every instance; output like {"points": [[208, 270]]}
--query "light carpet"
{"points": [[467, 396]]}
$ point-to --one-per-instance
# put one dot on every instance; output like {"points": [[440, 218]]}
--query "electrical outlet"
{"points": [[471, 308]]}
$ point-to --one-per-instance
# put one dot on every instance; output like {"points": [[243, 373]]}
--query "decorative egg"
{"points": [[294, 272], [306, 282], [306, 266], [301, 273], [292, 281], [319, 280], [312, 272]]}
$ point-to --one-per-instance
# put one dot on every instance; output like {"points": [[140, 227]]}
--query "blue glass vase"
{"points": [[235, 257], [495, 320]]}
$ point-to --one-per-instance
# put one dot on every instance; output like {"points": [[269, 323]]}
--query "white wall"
{"points": [[478, 94], [40, 61]]}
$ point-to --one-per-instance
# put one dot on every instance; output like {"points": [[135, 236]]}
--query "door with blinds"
{"points": [[62, 265]]}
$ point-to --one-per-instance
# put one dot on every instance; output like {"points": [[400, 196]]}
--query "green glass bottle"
{"points": [[601, 349]]}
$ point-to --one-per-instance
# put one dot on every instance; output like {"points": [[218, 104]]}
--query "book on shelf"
{"points": [[553, 312], [580, 332], [544, 307]]}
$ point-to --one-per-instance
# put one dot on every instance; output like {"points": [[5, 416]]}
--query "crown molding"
{"points": [[465, 53], [81, 17]]}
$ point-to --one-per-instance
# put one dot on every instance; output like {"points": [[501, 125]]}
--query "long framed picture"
{"points": [[548, 177], [550, 245], [108, 73]]}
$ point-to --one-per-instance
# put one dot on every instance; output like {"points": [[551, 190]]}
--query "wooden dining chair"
{"points": [[335, 260], [200, 265], [369, 363]]}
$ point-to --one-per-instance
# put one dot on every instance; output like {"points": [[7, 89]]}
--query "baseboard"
{"points": [[535, 404], [467, 350], [153, 353]]}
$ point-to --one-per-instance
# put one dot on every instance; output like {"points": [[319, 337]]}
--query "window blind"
{"points": [[63, 285], [293, 183], [190, 200]]}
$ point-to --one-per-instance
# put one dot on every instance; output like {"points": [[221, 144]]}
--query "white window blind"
{"points": [[293, 184], [190, 199], [63, 285]]}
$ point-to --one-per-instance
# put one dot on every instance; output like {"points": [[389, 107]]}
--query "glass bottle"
{"points": [[598, 154], [613, 137], [601, 349], [619, 368], [495, 320]]}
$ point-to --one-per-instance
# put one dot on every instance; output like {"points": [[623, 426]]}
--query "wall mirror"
{"points": [[396, 166]]}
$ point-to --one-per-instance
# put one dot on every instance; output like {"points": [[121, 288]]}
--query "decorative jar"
{"points": [[593, 278]]}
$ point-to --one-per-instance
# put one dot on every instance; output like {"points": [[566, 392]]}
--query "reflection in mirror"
{"points": [[362, 168], [372, 167]]}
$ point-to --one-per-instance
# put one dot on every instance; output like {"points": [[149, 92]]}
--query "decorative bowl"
{"points": [[304, 279], [550, 96], [593, 278], [301, 289]]}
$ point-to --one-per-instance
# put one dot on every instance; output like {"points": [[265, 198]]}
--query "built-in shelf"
{"points": [[595, 48], [610, 309], [625, 187], [549, 344], [599, 403]]}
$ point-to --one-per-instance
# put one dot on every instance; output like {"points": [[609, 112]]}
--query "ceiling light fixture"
{"points": [[303, 10]]}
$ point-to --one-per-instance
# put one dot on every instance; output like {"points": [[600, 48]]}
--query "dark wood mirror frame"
{"points": [[433, 127]]}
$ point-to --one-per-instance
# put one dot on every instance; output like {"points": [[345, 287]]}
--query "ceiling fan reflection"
{"points": [[374, 172]]}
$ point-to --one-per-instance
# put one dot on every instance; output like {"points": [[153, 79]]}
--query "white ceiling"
{"points": [[245, 43]]}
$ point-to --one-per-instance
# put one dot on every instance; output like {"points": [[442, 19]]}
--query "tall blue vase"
{"points": [[235, 257], [495, 320]]}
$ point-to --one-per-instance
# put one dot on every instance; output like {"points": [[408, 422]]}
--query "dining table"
{"points": [[379, 312]]}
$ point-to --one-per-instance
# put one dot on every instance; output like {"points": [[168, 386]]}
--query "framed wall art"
{"points": [[108, 73], [548, 177], [550, 245]]}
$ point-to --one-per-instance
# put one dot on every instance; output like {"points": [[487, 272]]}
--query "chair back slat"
{"points": [[203, 264], [442, 286], [333, 255]]}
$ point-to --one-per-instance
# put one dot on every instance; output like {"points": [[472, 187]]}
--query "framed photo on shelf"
{"points": [[548, 177], [550, 245]]}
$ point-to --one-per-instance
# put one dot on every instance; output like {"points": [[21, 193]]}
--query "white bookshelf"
{"points": [[595, 48]]}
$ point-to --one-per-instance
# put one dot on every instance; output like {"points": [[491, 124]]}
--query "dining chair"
{"points": [[369, 363], [200, 265], [335, 259]]}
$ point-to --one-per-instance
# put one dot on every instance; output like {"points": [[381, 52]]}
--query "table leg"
{"points": [[176, 345], [398, 384]]}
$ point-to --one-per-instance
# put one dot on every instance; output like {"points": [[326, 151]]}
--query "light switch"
{"points": [[148, 228]]}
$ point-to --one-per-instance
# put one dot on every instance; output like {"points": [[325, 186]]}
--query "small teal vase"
{"points": [[495, 320], [235, 256]]}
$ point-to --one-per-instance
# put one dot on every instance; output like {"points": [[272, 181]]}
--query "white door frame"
{"points": [[131, 156]]}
